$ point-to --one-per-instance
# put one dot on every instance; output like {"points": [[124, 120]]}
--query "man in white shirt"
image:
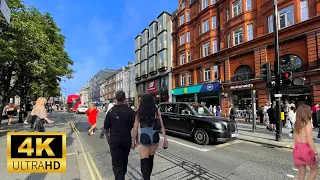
{"points": [[110, 105]]}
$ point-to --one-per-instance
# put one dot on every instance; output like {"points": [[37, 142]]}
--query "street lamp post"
{"points": [[277, 69]]}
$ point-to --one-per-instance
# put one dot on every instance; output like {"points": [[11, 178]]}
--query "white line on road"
{"points": [[203, 150], [290, 176]]}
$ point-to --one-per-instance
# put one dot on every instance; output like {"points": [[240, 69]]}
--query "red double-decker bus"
{"points": [[73, 102]]}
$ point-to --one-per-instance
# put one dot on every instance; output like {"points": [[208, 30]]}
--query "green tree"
{"points": [[32, 59]]}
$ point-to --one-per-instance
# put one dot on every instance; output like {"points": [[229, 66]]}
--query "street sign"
{"points": [[5, 10], [278, 95]]}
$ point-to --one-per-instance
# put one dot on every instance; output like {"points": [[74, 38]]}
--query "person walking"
{"points": [[92, 114], [39, 111], [218, 111], [315, 110], [304, 151], [28, 111], [10, 113], [108, 107], [272, 118], [150, 120], [233, 112], [118, 125], [292, 118]]}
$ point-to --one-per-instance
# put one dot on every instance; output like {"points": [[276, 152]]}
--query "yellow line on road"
{"points": [[74, 128], [86, 159], [95, 167], [84, 154]]}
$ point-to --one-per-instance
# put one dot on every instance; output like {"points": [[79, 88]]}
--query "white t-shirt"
{"points": [[109, 107]]}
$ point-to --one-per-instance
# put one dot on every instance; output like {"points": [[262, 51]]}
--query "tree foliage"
{"points": [[33, 59]]}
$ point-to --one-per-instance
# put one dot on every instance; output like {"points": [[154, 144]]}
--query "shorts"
{"points": [[149, 136]]}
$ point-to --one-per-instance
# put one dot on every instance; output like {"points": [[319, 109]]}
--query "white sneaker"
{"points": [[25, 122], [290, 135]]}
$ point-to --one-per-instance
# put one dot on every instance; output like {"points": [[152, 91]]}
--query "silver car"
{"points": [[82, 109]]}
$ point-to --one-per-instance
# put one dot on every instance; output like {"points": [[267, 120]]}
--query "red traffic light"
{"points": [[287, 75]]}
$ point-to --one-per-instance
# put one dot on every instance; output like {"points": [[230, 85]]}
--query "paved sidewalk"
{"points": [[59, 125], [264, 136]]}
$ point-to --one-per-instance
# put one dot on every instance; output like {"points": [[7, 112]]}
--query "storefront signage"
{"points": [[152, 86], [210, 87], [241, 86]]}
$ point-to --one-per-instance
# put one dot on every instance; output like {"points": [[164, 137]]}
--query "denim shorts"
{"points": [[149, 136]]}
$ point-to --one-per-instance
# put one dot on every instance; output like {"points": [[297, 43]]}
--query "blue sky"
{"points": [[100, 33]]}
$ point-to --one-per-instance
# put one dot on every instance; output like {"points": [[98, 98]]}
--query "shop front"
{"points": [[158, 88], [207, 94]]}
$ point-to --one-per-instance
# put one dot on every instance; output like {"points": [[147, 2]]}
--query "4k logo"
{"points": [[36, 152]]}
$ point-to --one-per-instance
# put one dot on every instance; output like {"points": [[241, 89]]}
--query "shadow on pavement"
{"points": [[185, 169], [4, 133], [37, 176]]}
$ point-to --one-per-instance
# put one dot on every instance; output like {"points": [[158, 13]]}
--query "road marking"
{"points": [[290, 176], [74, 128], [84, 154], [295, 169], [227, 144], [203, 150], [94, 166], [68, 154]]}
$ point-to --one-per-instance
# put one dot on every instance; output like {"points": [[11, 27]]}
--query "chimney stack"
{"points": [[130, 64]]}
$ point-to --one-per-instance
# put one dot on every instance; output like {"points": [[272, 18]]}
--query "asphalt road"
{"points": [[237, 160]]}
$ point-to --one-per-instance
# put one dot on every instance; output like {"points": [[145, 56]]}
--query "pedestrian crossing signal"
{"points": [[287, 79]]}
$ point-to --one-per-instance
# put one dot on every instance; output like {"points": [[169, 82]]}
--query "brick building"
{"points": [[219, 45]]}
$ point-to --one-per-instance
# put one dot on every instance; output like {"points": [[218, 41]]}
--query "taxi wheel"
{"points": [[201, 136]]}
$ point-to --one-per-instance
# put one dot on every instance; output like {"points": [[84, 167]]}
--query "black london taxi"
{"points": [[196, 121]]}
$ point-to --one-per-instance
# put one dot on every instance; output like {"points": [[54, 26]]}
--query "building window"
{"points": [[188, 16], [250, 32], [189, 57], [216, 72], [236, 7], [304, 10], [183, 79], [286, 17], [215, 46], [183, 58], [214, 22], [238, 36], [228, 41], [243, 72], [291, 63], [189, 78], [248, 5], [213, 1], [206, 49], [181, 20], [182, 39], [270, 23], [205, 26], [183, 5], [200, 52], [188, 36], [228, 14], [205, 4], [207, 74]]}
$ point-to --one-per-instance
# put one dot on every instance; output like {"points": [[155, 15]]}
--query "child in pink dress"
{"points": [[304, 152]]}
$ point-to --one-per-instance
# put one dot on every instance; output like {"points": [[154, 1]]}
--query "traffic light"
{"points": [[266, 73], [287, 78]]}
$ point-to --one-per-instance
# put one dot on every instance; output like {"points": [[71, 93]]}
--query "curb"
{"points": [[268, 144]]}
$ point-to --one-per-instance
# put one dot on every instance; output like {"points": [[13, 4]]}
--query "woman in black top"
{"points": [[151, 123]]}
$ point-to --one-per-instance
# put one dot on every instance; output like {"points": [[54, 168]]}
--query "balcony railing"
{"points": [[242, 77]]}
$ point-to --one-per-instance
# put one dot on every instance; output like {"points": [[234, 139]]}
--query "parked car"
{"points": [[196, 121], [82, 109]]}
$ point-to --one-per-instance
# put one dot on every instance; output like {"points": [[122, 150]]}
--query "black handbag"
{"points": [[38, 123]]}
